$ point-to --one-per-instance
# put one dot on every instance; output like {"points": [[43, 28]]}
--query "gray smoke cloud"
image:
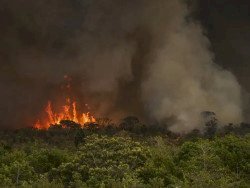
{"points": [[144, 58]]}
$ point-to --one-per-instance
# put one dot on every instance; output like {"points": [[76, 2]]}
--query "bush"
{"points": [[103, 160]]}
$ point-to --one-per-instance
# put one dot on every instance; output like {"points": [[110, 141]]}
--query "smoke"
{"points": [[183, 81], [144, 58]]}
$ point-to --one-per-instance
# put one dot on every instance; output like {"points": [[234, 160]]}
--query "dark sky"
{"points": [[227, 23], [25, 24]]}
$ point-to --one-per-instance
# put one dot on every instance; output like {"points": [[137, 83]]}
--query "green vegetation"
{"points": [[122, 157]]}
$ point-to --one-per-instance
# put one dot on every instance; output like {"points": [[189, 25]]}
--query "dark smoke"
{"points": [[144, 58]]}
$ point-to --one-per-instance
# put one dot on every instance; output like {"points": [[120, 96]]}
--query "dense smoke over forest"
{"points": [[145, 58]]}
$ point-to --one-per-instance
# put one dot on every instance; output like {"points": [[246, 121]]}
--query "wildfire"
{"points": [[68, 112]]}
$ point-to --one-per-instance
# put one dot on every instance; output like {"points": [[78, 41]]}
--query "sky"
{"points": [[227, 23]]}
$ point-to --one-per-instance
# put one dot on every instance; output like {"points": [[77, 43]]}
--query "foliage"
{"points": [[104, 160], [201, 167], [94, 158], [160, 167], [234, 153]]}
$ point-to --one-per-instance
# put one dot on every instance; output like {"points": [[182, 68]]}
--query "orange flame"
{"points": [[68, 112]]}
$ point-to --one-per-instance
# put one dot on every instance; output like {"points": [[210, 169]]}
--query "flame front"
{"points": [[68, 112]]}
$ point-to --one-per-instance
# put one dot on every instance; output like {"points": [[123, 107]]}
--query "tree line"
{"points": [[130, 154]]}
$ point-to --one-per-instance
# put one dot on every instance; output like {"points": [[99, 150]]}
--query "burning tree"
{"points": [[68, 117]]}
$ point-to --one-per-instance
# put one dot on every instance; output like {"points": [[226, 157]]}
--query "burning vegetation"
{"points": [[68, 113]]}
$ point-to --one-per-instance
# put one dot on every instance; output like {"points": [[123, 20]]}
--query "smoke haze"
{"points": [[144, 58]]}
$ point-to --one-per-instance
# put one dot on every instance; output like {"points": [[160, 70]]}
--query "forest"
{"points": [[131, 154]]}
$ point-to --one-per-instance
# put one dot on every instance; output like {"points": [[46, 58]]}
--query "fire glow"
{"points": [[68, 111]]}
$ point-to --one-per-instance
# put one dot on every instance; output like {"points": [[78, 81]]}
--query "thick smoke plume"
{"points": [[144, 58]]}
